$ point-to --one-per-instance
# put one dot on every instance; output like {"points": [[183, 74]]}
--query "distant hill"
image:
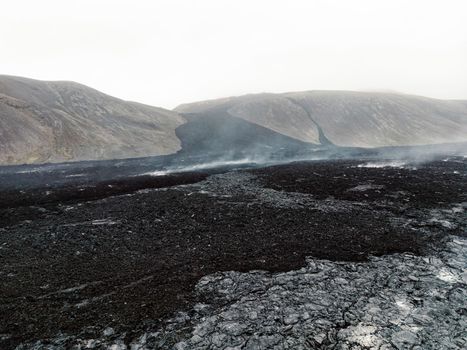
{"points": [[44, 121], [343, 118]]}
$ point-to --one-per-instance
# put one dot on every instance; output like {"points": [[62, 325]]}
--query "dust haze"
{"points": [[165, 53], [217, 174]]}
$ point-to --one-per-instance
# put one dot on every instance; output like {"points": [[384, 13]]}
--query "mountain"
{"points": [[43, 121], [343, 118], [221, 136]]}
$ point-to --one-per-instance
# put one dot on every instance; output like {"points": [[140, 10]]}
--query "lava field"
{"points": [[331, 254]]}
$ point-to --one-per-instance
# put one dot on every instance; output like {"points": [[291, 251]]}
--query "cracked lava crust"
{"points": [[77, 262]]}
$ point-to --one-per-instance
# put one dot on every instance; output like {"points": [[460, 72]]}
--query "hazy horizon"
{"points": [[166, 53]]}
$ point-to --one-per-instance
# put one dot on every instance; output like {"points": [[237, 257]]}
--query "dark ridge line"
{"points": [[83, 192], [323, 140]]}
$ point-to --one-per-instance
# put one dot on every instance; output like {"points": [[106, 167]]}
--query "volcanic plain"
{"points": [[159, 260]]}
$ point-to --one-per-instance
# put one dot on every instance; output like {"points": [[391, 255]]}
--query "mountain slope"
{"points": [[343, 118], [226, 137], [64, 121], [59, 121]]}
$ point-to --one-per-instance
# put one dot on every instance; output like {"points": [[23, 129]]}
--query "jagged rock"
{"points": [[349, 272]]}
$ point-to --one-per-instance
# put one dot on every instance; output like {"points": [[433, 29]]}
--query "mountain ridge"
{"points": [[343, 116], [44, 121], [57, 121]]}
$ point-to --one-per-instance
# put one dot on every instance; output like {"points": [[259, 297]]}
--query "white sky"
{"points": [[166, 52]]}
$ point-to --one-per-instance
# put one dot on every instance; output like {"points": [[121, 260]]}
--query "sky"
{"points": [[168, 52]]}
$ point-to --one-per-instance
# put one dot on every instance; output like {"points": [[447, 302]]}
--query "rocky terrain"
{"points": [[344, 118], [254, 222], [329, 254], [44, 121]]}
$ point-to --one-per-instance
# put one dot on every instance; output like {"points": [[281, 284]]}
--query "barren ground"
{"points": [[150, 261]]}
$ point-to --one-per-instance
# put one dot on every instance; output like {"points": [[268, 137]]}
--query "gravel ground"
{"points": [[313, 255]]}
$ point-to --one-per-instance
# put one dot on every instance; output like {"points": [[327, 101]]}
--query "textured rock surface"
{"points": [[58, 121], [358, 119], [221, 234], [400, 301], [393, 302]]}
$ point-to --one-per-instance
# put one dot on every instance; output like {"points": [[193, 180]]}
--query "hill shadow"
{"points": [[219, 135]]}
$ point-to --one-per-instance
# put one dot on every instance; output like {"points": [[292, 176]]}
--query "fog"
{"points": [[165, 52]]}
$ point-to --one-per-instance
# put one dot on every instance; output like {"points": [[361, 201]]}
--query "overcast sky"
{"points": [[166, 52]]}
